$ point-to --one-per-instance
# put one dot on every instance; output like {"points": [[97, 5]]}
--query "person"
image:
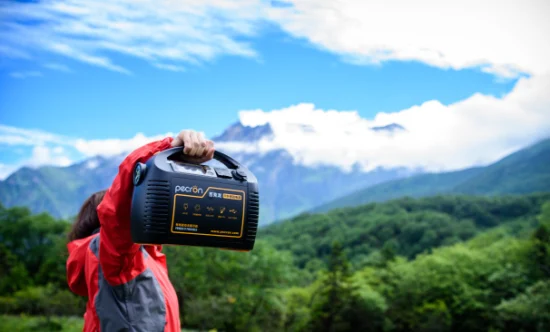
{"points": [[127, 284]]}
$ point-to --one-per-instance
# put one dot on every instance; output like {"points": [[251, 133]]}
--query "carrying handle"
{"points": [[177, 154]]}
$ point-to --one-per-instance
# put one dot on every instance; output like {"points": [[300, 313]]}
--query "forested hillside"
{"points": [[432, 264], [405, 226]]}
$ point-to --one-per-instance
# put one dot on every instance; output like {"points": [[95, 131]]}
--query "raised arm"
{"points": [[118, 255]]}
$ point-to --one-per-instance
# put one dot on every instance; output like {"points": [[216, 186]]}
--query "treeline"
{"points": [[496, 280], [404, 226]]}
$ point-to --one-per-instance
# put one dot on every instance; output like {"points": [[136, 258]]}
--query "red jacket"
{"points": [[127, 285]]}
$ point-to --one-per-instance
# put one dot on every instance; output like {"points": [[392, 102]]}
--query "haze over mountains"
{"points": [[290, 182], [523, 172]]}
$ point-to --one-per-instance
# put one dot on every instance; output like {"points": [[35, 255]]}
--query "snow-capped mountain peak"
{"points": [[312, 137], [238, 132]]}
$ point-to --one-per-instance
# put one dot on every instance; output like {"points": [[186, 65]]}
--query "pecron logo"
{"points": [[185, 189]]}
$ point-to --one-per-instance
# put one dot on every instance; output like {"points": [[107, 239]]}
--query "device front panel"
{"points": [[208, 207]]}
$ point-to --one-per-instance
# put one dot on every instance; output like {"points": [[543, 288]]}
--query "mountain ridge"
{"points": [[524, 171], [286, 187]]}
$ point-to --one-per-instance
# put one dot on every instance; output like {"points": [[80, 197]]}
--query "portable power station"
{"points": [[175, 202]]}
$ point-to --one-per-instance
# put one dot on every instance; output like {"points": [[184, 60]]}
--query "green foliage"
{"points": [[340, 303], [41, 300], [469, 282], [432, 264], [528, 311], [13, 274], [31, 239], [540, 250], [24, 323], [334, 295], [373, 233], [233, 290]]}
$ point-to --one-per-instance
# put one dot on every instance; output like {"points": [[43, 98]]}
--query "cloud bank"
{"points": [[476, 131], [437, 137], [164, 33], [57, 150], [505, 38]]}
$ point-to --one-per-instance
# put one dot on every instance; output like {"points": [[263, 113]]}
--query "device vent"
{"points": [[156, 209], [253, 215]]}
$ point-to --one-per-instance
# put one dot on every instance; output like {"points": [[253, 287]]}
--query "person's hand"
{"points": [[196, 148]]}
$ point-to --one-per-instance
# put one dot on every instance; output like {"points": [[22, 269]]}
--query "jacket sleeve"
{"points": [[75, 266], [119, 257]]}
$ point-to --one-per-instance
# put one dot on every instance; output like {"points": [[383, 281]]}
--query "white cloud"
{"points": [[14, 136], [169, 67], [6, 170], [43, 155], [92, 163], [476, 131], [157, 31], [114, 146], [19, 136], [13, 53], [54, 149], [25, 74], [502, 37], [57, 67], [505, 38], [99, 61]]}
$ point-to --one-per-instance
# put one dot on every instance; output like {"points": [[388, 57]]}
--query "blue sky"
{"points": [[94, 103], [65, 79]]}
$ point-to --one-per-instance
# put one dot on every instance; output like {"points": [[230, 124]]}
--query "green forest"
{"points": [[441, 263]]}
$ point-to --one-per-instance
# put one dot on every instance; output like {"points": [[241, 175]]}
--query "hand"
{"points": [[195, 146]]}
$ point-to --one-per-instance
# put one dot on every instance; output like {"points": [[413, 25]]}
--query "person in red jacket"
{"points": [[127, 284]]}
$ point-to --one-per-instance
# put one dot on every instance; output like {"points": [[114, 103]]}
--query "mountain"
{"points": [[389, 128], [286, 187], [58, 190], [525, 171], [239, 133]]}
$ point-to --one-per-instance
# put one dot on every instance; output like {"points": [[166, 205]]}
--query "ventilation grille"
{"points": [[253, 215], [156, 210]]}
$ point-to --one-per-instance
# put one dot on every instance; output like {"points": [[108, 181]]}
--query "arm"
{"points": [[118, 256]]}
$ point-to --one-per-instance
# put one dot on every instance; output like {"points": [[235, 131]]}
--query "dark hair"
{"points": [[87, 220]]}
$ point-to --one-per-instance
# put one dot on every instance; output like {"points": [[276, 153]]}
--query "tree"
{"points": [[541, 243], [13, 274], [529, 311], [334, 295]]}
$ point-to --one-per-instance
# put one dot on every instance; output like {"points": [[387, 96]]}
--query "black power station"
{"points": [[175, 202]]}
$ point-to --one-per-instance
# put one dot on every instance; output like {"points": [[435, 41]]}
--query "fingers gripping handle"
{"points": [[177, 154]]}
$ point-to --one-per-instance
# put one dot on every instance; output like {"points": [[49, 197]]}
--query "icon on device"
{"points": [[185, 206], [197, 207], [222, 209], [233, 211]]}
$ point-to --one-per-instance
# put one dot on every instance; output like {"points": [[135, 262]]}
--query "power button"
{"points": [[239, 174]]}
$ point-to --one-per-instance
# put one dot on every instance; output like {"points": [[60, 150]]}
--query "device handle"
{"points": [[219, 156]]}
